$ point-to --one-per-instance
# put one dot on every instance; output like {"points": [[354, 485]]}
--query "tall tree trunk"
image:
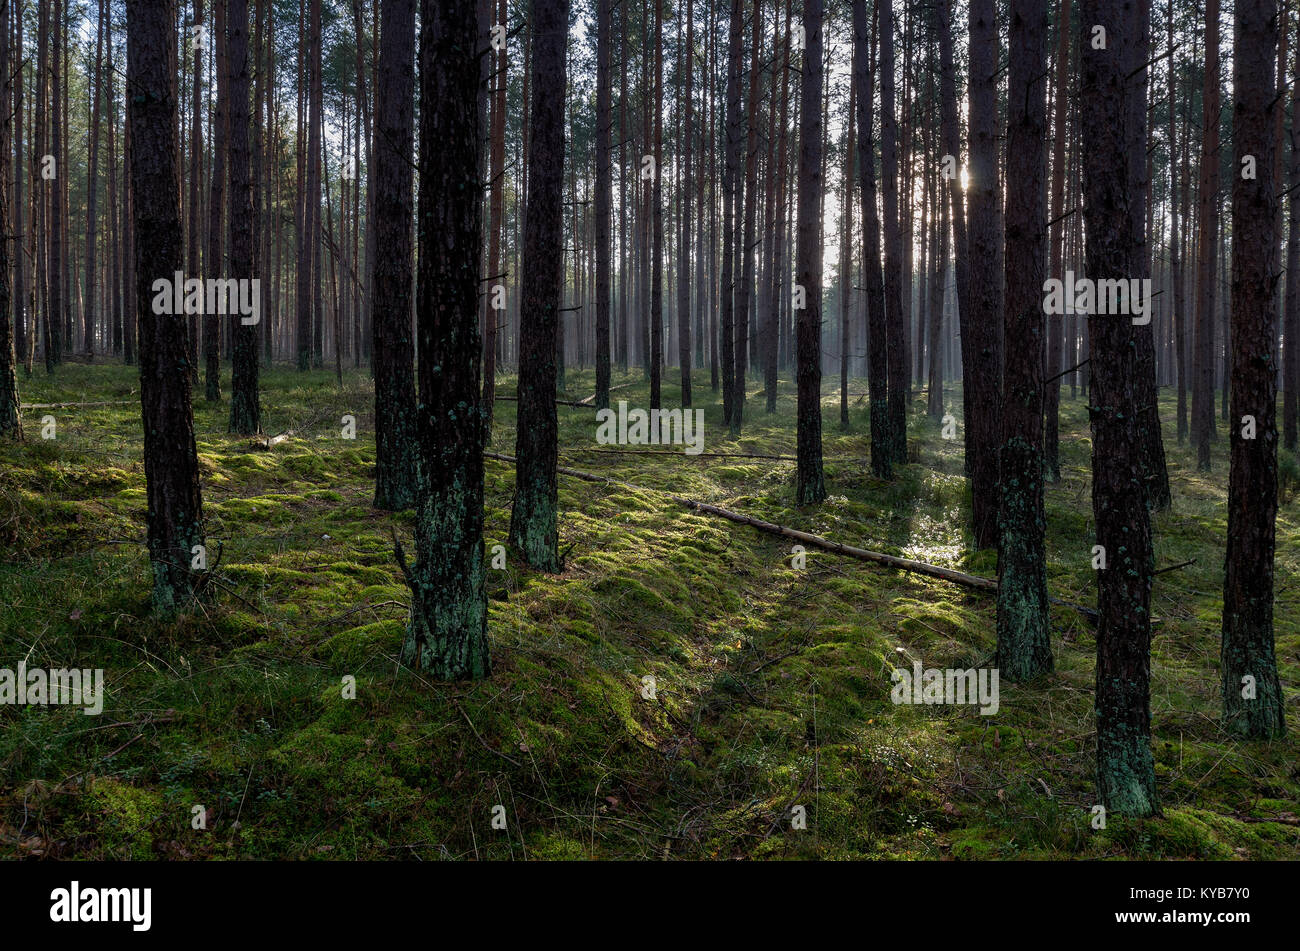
{"points": [[10, 426], [895, 317], [213, 265], [731, 189], [58, 341], [778, 267], [872, 276], [315, 121], [1291, 327], [193, 266], [846, 259], [245, 408], [175, 503], [1203, 429], [1024, 643], [939, 269], [684, 242], [604, 80], [1052, 396], [447, 633], [496, 168], [1109, 100], [744, 292], [95, 82], [811, 485], [534, 530], [951, 132], [983, 376], [1151, 444], [1182, 328], [392, 348], [1252, 696], [657, 219]]}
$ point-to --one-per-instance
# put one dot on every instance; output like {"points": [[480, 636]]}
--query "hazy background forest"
{"points": [[375, 565]]}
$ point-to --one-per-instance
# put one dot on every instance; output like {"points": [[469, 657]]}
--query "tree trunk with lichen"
{"points": [[175, 503], [1125, 768], [1024, 645], [447, 632], [534, 531]]}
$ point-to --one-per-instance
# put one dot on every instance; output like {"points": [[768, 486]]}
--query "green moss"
{"points": [[772, 683]]}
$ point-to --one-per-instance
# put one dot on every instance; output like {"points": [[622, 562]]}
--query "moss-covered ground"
{"points": [[772, 686]]}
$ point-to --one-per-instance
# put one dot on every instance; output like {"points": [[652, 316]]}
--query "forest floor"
{"points": [[772, 681]]}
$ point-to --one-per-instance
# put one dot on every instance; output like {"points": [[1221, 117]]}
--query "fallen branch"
{"points": [[268, 442], [987, 585], [69, 405], [515, 399], [590, 400]]}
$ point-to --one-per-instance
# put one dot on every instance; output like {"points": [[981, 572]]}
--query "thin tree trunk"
{"points": [[811, 484], [213, 263], [1052, 396], [10, 425], [873, 278], [895, 317], [1203, 428], [245, 407]]}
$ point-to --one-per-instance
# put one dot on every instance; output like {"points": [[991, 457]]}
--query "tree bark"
{"points": [[175, 503], [392, 349], [447, 633], [872, 277], [604, 196], [534, 529], [983, 377], [731, 189], [1252, 696], [245, 406], [895, 317], [213, 264], [811, 484], [1109, 103], [1291, 327], [1024, 642], [10, 425], [1203, 427]]}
